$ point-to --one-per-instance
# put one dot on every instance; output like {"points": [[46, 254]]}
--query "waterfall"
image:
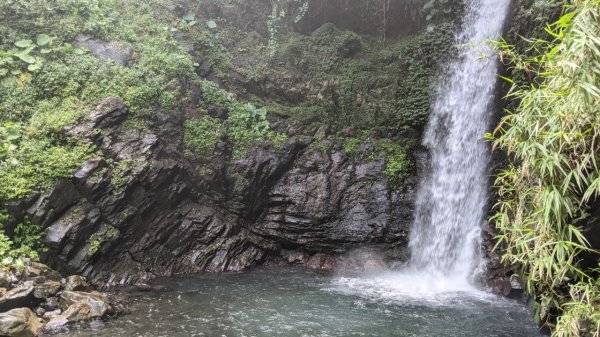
{"points": [[451, 202], [452, 198]]}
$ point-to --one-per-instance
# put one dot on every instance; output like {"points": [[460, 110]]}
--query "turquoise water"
{"points": [[298, 303]]}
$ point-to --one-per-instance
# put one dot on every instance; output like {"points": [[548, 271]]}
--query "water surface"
{"points": [[298, 303]]}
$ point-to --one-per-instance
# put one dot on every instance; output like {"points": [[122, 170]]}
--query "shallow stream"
{"points": [[298, 303]]}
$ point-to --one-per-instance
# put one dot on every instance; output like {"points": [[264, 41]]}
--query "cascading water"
{"points": [[451, 200]]}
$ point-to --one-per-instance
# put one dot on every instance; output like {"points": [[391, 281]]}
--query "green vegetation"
{"points": [[98, 239], [438, 10], [202, 134], [398, 165], [353, 81], [245, 125], [38, 163], [278, 13], [48, 84], [26, 244], [549, 191]]}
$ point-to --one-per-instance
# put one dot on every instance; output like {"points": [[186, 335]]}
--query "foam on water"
{"points": [[412, 288]]}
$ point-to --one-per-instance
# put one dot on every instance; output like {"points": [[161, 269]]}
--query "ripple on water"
{"points": [[298, 303]]}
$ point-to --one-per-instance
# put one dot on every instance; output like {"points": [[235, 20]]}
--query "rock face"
{"points": [[141, 209], [20, 322], [326, 203], [112, 50]]}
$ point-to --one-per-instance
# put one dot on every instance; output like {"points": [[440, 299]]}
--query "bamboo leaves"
{"points": [[546, 194]]}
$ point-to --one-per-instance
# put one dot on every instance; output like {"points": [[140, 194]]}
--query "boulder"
{"points": [[76, 312], [500, 286], [20, 322], [34, 269], [98, 304], [40, 312], [76, 283], [21, 296], [51, 304], [5, 278], [46, 289], [48, 315], [111, 50]]}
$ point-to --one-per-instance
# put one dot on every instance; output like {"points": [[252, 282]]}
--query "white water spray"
{"points": [[451, 201]]}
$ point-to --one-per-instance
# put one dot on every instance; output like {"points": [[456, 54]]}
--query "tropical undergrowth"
{"points": [[47, 84], [549, 191], [246, 125]]}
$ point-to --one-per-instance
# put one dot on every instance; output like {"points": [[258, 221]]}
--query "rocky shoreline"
{"points": [[38, 299]]}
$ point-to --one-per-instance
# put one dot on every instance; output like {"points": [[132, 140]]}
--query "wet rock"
{"points": [[51, 304], [500, 286], [46, 289], [321, 261], [322, 132], [97, 303], [161, 214], [363, 260], [5, 278], [40, 312], [51, 314], [328, 204], [58, 232], [112, 50], [21, 296], [515, 282], [21, 322], [76, 283], [34, 269], [110, 112], [88, 168], [76, 312]]}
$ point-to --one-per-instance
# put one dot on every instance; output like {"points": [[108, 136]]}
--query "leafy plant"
{"points": [[247, 116], [246, 124], [10, 134], [38, 163], [546, 193], [202, 134], [27, 243], [28, 57]]}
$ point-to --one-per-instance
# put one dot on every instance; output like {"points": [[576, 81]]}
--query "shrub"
{"points": [[38, 163], [546, 193], [202, 134], [27, 243]]}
